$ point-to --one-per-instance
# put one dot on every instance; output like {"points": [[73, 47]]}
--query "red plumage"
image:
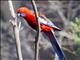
{"points": [[31, 19], [47, 29]]}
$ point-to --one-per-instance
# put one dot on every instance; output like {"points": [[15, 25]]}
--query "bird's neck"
{"points": [[31, 19]]}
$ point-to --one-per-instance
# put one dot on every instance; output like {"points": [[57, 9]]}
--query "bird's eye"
{"points": [[21, 14]]}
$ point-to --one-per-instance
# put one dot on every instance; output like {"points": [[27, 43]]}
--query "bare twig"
{"points": [[69, 10], [16, 28], [38, 31], [69, 51], [60, 12]]}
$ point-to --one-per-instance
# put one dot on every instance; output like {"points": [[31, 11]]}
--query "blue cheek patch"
{"points": [[22, 14]]}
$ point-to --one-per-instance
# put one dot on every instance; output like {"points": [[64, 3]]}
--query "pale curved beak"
{"points": [[18, 14]]}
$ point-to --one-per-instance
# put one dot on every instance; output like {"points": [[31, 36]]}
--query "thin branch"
{"points": [[38, 31], [16, 28], [60, 12], [69, 10], [69, 51]]}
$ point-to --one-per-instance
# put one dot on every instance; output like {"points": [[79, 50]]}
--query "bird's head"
{"points": [[23, 12]]}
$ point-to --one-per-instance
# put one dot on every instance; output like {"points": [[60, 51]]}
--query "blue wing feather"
{"points": [[55, 45]]}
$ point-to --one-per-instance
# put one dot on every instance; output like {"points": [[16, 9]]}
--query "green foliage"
{"points": [[74, 28], [54, 19], [78, 51], [74, 32]]}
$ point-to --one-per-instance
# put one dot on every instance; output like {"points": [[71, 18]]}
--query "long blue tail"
{"points": [[55, 45]]}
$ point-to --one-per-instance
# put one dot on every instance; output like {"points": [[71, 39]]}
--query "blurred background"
{"points": [[64, 14]]}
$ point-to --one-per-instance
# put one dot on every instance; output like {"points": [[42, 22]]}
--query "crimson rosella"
{"points": [[46, 26]]}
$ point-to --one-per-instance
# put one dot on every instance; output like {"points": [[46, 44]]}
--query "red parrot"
{"points": [[46, 26]]}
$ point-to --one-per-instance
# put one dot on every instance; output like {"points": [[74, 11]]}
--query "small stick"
{"points": [[38, 31], [16, 28]]}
